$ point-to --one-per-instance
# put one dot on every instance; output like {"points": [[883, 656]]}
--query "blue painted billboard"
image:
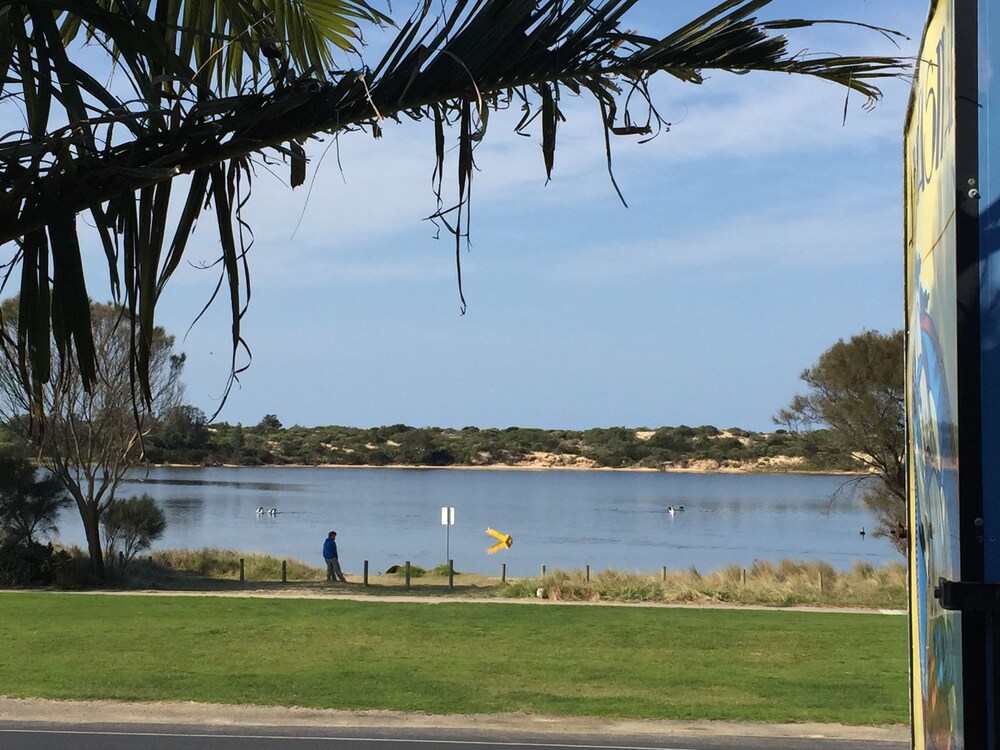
{"points": [[989, 250], [952, 197], [988, 103]]}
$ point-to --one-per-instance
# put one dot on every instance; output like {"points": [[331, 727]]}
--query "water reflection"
{"points": [[264, 486], [184, 511]]}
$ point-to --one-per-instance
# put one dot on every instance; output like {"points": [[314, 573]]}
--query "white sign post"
{"points": [[447, 520]]}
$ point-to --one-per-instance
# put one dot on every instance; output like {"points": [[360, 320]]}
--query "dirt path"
{"points": [[356, 592]]}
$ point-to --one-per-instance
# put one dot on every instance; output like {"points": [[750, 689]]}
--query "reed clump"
{"points": [[223, 564], [785, 583]]}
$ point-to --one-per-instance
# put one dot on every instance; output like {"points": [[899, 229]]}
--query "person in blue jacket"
{"points": [[333, 571]]}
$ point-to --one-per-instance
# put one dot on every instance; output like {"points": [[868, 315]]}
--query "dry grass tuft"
{"points": [[225, 564], [786, 583]]}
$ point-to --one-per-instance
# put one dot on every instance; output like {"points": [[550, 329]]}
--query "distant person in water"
{"points": [[333, 571]]}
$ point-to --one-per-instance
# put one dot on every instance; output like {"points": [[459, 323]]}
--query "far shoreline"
{"points": [[507, 467]]}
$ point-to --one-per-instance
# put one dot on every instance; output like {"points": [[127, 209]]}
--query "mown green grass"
{"points": [[631, 662]]}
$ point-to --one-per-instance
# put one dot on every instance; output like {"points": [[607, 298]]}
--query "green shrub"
{"points": [[415, 571], [22, 563], [69, 570], [34, 564], [130, 526]]}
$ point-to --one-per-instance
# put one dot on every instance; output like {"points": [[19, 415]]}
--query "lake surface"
{"points": [[562, 519]]}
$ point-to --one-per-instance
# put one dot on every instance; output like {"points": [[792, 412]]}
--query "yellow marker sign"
{"points": [[504, 540]]}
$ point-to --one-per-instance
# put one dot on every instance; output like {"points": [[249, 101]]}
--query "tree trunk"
{"points": [[92, 527]]}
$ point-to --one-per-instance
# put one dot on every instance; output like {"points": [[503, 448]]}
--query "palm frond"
{"points": [[194, 110]]}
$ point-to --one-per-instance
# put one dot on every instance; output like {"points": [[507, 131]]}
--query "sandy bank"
{"points": [[691, 467]]}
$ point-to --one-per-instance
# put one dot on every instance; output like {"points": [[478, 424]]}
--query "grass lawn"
{"points": [[630, 662]]}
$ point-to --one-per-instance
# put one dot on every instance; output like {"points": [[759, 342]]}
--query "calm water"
{"points": [[561, 519]]}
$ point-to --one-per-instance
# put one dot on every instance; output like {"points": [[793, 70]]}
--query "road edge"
{"points": [[77, 713]]}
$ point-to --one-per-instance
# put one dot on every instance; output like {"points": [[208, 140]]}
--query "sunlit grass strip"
{"points": [[650, 663], [785, 583]]}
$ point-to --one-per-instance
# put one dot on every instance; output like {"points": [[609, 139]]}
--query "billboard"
{"points": [[932, 386], [989, 244], [952, 233], [988, 276]]}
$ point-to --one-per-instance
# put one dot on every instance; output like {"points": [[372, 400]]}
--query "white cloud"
{"points": [[844, 234]]}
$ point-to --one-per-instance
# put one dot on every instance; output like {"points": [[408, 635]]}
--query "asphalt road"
{"points": [[50, 736]]}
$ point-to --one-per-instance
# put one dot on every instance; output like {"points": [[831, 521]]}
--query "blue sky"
{"points": [[760, 229]]}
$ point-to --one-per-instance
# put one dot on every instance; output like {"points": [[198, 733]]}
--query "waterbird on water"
{"points": [[260, 511], [273, 512], [862, 532]]}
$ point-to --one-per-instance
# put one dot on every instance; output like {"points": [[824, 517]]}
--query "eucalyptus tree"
{"points": [[209, 89], [92, 437], [856, 390]]}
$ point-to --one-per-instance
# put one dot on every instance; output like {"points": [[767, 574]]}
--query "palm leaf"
{"points": [[192, 111]]}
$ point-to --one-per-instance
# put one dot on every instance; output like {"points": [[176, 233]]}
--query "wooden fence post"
{"points": [[503, 572], [663, 573], [366, 572], [543, 570], [743, 577], [586, 575], [284, 571], [407, 574], [242, 569], [451, 574]]}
